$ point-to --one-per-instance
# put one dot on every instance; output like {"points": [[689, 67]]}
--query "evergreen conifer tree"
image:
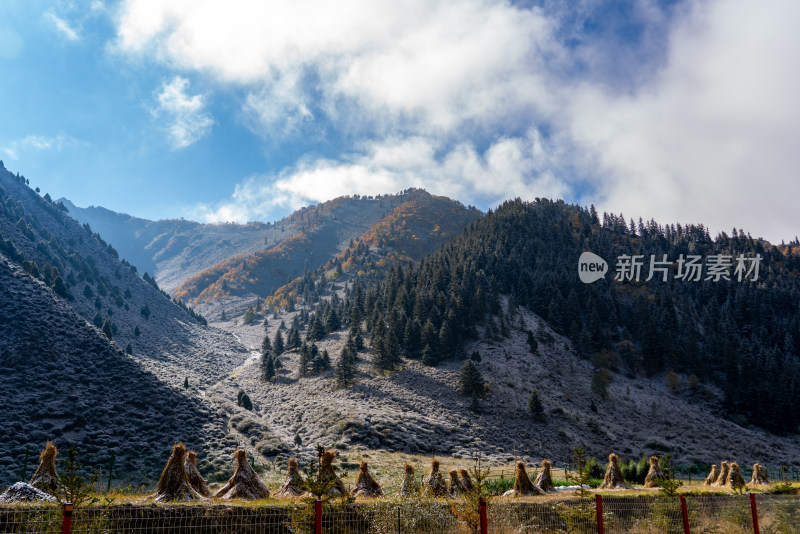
{"points": [[535, 407], [107, 329], [532, 343], [470, 381], [277, 344], [268, 367], [345, 367], [302, 362]]}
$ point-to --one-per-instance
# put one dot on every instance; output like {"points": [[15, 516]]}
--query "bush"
{"points": [[498, 486], [594, 469], [243, 400], [600, 383]]}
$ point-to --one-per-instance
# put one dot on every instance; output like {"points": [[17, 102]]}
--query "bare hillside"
{"points": [[418, 409], [62, 380]]}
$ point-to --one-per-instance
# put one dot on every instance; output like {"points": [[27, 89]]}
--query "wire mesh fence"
{"points": [[612, 514], [39, 519]]}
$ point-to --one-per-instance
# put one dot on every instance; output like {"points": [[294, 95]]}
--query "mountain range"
{"points": [[175, 313]]}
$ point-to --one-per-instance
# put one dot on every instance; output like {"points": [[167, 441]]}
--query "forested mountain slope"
{"points": [[743, 336], [325, 231]]}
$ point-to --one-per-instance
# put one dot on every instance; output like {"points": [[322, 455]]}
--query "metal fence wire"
{"points": [[618, 514]]}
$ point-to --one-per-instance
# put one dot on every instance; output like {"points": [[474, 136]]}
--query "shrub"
{"points": [[673, 381], [600, 382], [243, 400]]}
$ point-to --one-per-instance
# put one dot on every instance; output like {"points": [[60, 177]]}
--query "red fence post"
{"points": [[66, 519], [598, 501], [318, 516], [754, 511], [685, 515], [483, 518]]}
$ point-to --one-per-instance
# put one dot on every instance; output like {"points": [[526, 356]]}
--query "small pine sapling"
{"points": [[73, 487], [668, 486]]}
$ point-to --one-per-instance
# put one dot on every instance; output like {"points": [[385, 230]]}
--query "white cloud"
{"points": [[433, 65], [62, 26], [713, 138], [451, 96], [38, 143], [186, 118], [513, 164]]}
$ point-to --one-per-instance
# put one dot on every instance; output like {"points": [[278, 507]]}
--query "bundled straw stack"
{"points": [[366, 486], [434, 485], [613, 478], [45, 478], [466, 481], [545, 479], [193, 474], [655, 472], [173, 485], [523, 487], [711, 479], [293, 485], [759, 477], [724, 471], [327, 474], [244, 484], [409, 485]]}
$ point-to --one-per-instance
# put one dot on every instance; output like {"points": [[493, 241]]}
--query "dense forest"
{"points": [[735, 331]]}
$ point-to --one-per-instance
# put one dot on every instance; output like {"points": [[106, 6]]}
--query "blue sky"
{"points": [[245, 110]]}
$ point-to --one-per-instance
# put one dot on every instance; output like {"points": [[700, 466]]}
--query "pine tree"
{"points": [[266, 346], [387, 354], [293, 338], [412, 342], [267, 367], [107, 329], [470, 381], [302, 362], [98, 320], [428, 357], [535, 407], [277, 344], [332, 323], [532, 343], [345, 368], [136, 331], [129, 348]]}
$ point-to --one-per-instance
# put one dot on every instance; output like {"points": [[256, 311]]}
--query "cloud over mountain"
{"points": [[487, 100]]}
